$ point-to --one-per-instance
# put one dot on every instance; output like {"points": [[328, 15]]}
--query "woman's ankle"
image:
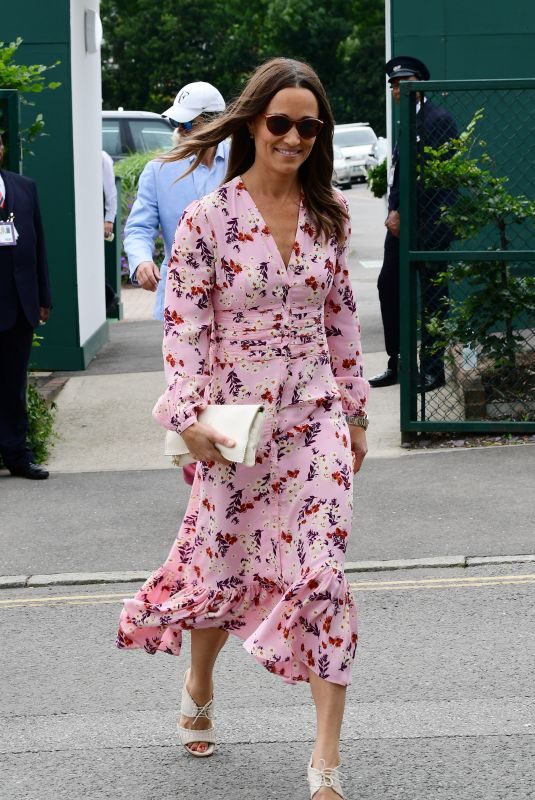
{"points": [[200, 687], [326, 759]]}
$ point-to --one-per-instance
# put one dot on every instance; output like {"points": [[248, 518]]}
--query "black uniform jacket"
{"points": [[23, 267], [434, 126]]}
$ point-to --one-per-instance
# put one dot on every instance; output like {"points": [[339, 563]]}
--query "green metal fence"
{"points": [[467, 255]]}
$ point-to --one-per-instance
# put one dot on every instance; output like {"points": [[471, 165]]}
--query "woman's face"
{"points": [[284, 154]]}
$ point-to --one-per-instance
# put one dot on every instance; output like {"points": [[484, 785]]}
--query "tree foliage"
{"points": [[150, 50], [490, 314], [25, 79]]}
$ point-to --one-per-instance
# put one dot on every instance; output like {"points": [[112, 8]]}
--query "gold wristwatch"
{"points": [[361, 420]]}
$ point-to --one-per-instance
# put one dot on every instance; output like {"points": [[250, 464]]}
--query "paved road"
{"points": [[442, 704]]}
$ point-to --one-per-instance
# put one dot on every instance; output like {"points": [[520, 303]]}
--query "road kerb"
{"points": [[13, 581], [81, 578], [406, 563], [351, 567], [481, 561]]}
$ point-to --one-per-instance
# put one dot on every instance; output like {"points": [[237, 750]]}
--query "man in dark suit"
{"points": [[434, 126], [24, 301]]}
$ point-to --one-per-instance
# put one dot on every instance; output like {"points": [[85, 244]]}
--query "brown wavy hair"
{"points": [[327, 213]]}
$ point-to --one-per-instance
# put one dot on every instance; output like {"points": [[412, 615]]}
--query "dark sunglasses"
{"points": [[185, 126], [279, 124]]}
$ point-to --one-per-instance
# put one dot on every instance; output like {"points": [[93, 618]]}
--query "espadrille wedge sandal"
{"points": [[324, 776], [189, 708]]}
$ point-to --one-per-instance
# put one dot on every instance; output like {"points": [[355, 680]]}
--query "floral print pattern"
{"points": [[260, 552]]}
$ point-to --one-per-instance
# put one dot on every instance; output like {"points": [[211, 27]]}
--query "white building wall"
{"points": [[87, 147]]}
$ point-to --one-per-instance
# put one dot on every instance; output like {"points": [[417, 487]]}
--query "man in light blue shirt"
{"points": [[163, 195]]}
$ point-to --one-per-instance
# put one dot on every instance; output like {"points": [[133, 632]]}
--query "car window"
{"points": [[354, 138], [151, 134], [338, 153], [111, 139]]}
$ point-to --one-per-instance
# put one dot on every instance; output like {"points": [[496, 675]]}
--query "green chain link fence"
{"points": [[467, 255]]}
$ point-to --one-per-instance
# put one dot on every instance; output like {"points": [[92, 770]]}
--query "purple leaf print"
{"points": [[309, 627], [333, 331], [312, 471], [312, 433], [233, 624], [347, 299], [333, 514], [234, 506], [206, 253], [232, 230], [263, 267], [222, 544], [301, 552], [229, 583], [234, 383], [185, 552], [257, 537], [296, 395], [312, 536], [323, 664]]}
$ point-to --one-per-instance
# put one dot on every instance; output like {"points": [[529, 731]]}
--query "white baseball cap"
{"points": [[193, 99]]}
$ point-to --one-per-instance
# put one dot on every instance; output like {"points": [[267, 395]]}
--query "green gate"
{"points": [[467, 255]]}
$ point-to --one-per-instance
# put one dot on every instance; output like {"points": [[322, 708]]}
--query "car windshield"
{"points": [[354, 138], [152, 134]]}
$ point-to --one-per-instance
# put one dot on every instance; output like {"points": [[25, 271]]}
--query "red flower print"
{"points": [[267, 396], [347, 363], [170, 360], [312, 282], [327, 624], [293, 473], [287, 537], [313, 584]]}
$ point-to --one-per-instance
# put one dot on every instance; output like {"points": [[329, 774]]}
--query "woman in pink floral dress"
{"points": [[259, 309]]}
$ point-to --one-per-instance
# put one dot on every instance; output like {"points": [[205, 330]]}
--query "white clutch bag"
{"points": [[242, 423]]}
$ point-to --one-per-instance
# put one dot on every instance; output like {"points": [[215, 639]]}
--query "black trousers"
{"points": [[15, 349], [431, 297]]}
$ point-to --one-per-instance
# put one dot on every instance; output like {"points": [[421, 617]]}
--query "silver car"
{"points": [[341, 169], [355, 140]]}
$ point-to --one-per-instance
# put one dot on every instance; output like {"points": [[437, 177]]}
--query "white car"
{"points": [[126, 132], [341, 169], [356, 141]]}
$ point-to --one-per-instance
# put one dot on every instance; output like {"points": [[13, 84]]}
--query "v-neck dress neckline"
{"points": [[270, 236]]}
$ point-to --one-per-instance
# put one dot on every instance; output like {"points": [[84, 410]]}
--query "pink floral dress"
{"points": [[260, 552]]}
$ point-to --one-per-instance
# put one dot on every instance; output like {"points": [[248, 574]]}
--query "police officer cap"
{"points": [[405, 66]]}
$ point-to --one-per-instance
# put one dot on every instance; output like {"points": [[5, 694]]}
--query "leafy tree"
{"points": [[151, 50], [25, 79]]}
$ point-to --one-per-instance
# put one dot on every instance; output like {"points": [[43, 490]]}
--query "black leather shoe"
{"points": [[32, 471], [429, 383], [387, 378]]}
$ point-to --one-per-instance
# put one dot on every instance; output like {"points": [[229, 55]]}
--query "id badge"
{"points": [[8, 236]]}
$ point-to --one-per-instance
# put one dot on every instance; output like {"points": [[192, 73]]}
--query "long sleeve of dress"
{"points": [[188, 317], [343, 336]]}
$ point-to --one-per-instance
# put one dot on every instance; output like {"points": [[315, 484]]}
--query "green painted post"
{"points": [[407, 275], [47, 33]]}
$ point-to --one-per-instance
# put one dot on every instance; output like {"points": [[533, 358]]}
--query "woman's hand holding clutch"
{"points": [[201, 439]]}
